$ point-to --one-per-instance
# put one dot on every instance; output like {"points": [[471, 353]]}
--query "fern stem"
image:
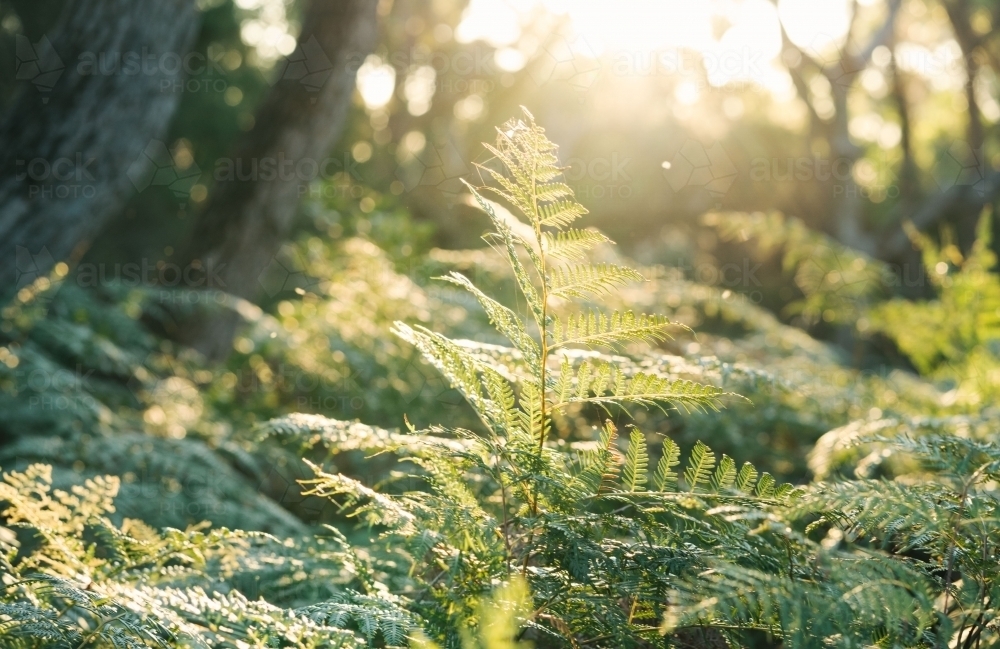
{"points": [[543, 325], [506, 522], [97, 631]]}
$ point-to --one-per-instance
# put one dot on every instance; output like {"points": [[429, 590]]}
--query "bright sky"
{"points": [[735, 41], [745, 51]]}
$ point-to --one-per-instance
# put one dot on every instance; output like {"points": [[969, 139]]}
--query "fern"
{"points": [[725, 474], [571, 244], [699, 466], [581, 280], [595, 328], [508, 528], [636, 463], [665, 476], [747, 478]]}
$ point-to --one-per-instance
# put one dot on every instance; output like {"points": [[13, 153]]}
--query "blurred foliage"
{"points": [[869, 384], [462, 532]]}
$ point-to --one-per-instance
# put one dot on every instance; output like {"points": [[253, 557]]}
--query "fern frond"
{"points": [[512, 192], [530, 412], [461, 368], [636, 463], [551, 193], [765, 486], [665, 477], [600, 466], [725, 474], [572, 244], [699, 466], [582, 279], [505, 320], [597, 328], [850, 600], [371, 614], [375, 507], [901, 513], [747, 478], [560, 213], [604, 384], [520, 274]]}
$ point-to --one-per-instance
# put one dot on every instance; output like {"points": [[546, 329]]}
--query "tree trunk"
{"points": [[69, 140], [247, 218]]}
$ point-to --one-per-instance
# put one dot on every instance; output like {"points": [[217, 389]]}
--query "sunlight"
{"points": [[377, 82], [737, 40], [643, 25], [816, 26]]}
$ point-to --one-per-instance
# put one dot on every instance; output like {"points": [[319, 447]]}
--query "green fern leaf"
{"points": [[550, 192], [665, 477], [520, 274], [560, 213], [505, 320], [530, 413], [765, 486], [725, 474], [603, 384], [600, 465], [747, 478], [636, 462], [572, 244], [596, 328], [699, 466], [582, 279]]}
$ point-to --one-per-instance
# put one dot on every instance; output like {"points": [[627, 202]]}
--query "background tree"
{"points": [[249, 214], [68, 141]]}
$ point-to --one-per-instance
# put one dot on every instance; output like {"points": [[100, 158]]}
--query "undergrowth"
{"points": [[569, 503]]}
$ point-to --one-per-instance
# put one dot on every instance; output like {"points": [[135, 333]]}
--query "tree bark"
{"points": [[247, 218], [68, 141]]}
